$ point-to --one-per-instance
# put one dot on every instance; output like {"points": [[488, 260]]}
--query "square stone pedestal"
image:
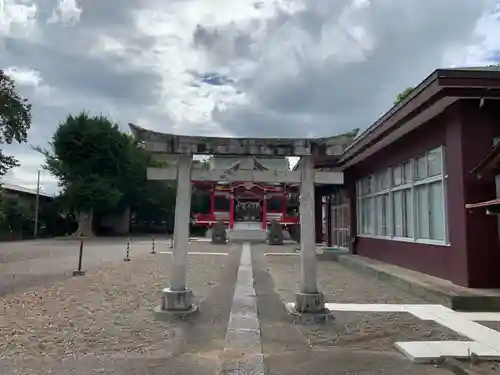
{"points": [[175, 303], [309, 308]]}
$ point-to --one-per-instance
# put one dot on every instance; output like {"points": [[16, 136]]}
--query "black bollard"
{"points": [[127, 256], [79, 271], [153, 250]]}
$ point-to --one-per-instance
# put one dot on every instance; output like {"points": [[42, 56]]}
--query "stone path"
{"points": [[243, 350]]}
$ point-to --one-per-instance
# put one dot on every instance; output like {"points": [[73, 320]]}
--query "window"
{"points": [[405, 202]]}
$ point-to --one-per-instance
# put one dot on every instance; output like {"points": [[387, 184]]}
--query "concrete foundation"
{"points": [[309, 308], [175, 303], [309, 302], [321, 317]]}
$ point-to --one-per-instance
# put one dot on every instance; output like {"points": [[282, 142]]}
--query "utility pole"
{"points": [[37, 204]]}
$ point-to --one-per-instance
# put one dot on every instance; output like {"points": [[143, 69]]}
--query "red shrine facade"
{"points": [[246, 202]]}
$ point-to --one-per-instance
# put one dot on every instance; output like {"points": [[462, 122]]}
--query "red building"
{"points": [[408, 179], [246, 201]]}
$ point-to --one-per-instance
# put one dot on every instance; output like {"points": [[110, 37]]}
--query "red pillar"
{"points": [[212, 202], [264, 213], [231, 211]]}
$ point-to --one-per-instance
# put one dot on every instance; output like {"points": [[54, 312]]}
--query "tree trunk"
{"points": [[85, 225]]}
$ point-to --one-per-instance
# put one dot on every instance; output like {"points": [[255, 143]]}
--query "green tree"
{"points": [[403, 95], [54, 219], [90, 157], [15, 119], [155, 210], [16, 218]]}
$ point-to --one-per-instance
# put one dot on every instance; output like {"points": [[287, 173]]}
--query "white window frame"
{"points": [[407, 185]]}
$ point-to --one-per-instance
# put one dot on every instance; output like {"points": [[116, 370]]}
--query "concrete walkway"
{"points": [[243, 348]]}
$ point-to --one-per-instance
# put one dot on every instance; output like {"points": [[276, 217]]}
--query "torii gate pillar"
{"points": [[309, 305], [177, 298]]}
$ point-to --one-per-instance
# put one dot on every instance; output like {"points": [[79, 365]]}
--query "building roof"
{"points": [[431, 97], [22, 189]]}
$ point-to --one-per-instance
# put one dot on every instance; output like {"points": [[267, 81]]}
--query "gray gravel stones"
{"points": [[374, 331], [107, 312]]}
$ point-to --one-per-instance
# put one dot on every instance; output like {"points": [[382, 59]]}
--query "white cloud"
{"points": [[67, 12], [31, 79], [282, 55], [24, 76], [17, 17], [484, 50]]}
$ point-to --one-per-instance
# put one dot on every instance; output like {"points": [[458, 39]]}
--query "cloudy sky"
{"points": [[231, 67]]}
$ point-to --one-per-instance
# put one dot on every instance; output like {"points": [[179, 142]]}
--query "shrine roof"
{"points": [[166, 143]]}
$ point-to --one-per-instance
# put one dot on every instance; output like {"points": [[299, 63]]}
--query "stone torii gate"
{"points": [[177, 298]]}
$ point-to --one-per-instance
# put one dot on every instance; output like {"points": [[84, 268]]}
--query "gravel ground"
{"points": [[106, 313], [375, 331], [44, 262]]}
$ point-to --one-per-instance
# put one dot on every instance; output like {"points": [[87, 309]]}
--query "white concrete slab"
{"points": [[366, 307], [281, 254], [427, 351], [485, 342]]}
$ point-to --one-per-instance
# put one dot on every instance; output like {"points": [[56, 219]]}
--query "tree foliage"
{"points": [[89, 157], [103, 171], [16, 218], [15, 119], [403, 95]]}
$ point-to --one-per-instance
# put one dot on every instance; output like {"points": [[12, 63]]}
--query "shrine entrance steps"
{"points": [[247, 231]]}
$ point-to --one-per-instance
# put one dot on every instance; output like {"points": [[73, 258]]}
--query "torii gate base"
{"points": [[312, 309], [175, 304], [178, 299]]}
